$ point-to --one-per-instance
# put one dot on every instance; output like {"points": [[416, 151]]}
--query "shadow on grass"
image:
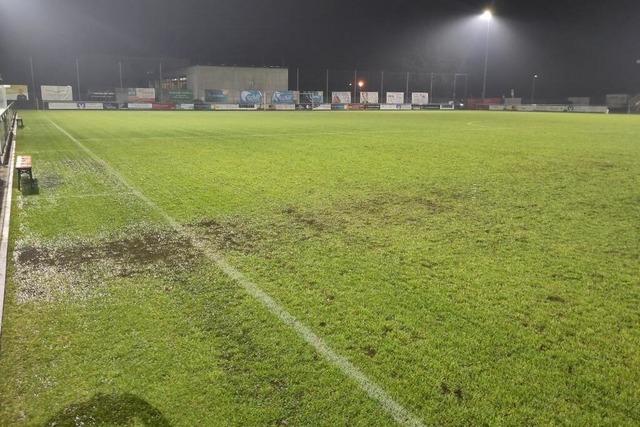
{"points": [[109, 409], [28, 188]]}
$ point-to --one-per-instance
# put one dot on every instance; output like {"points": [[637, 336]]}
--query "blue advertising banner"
{"points": [[220, 96], [251, 97], [283, 97], [314, 98]]}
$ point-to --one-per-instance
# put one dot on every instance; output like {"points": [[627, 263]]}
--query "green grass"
{"points": [[482, 268]]}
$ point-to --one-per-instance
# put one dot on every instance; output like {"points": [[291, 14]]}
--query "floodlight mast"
{"points": [[487, 16]]}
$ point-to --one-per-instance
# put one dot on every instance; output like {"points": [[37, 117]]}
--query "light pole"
{"points": [[533, 88], [487, 16]]}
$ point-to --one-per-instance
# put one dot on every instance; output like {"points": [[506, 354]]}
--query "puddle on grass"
{"points": [[50, 181], [295, 223], [79, 268]]}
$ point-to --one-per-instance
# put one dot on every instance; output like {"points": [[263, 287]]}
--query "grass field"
{"points": [[479, 268]]}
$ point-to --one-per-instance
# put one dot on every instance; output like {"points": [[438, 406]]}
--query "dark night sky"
{"points": [[579, 47]]}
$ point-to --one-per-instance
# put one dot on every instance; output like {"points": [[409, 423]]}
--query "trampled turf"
{"points": [[480, 268]]}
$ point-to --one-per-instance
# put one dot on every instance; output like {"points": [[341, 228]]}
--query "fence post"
{"points": [[328, 96], [406, 96], [355, 85], [78, 78], [120, 72], [33, 83]]}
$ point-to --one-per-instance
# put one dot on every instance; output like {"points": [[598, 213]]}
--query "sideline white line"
{"points": [[6, 221], [56, 197], [252, 135], [397, 411]]}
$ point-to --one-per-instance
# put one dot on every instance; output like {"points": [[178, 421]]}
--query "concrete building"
{"points": [[224, 84]]}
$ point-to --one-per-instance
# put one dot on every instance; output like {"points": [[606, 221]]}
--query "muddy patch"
{"points": [[318, 222], [79, 268], [228, 234], [50, 181], [394, 201]]}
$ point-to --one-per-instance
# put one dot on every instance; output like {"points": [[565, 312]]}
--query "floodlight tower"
{"points": [[533, 88], [486, 16], [360, 86]]}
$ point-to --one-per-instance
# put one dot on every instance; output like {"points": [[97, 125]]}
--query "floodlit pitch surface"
{"points": [[479, 268]]}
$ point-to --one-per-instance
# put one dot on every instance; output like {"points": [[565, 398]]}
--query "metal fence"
{"points": [[442, 87], [7, 126], [93, 74], [98, 73]]}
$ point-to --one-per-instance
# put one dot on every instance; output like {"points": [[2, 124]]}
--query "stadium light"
{"points": [[487, 16], [533, 88], [360, 84]]}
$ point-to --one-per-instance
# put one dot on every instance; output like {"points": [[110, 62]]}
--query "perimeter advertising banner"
{"points": [[139, 105], [312, 97], [341, 97], [56, 93], [141, 95], [217, 96], [18, 93], [617, 100], [395, 97], [251, 97], [76, 106], [369, 97], [179, 96], [283, 97], [419, 98], [107, 95]]}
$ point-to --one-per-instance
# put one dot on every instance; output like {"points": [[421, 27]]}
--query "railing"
{"points": [[7, 118]]}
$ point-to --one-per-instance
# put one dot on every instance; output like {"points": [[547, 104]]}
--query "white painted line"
{"points": [[6, 221], [399, 413], [56, 197]]}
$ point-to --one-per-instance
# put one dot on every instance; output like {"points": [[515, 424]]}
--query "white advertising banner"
{"points": [[369, 98], [420, 98], [18, 93], [590, 109], [225, 107], [90, 106], [139, 106], [63, 106], [341, 97], [186, 106], [76, 106], [141, 95], [56, 93], [285, 106], [395, 97], [617, 100]]}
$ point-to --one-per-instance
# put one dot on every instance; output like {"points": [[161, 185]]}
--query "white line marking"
{"points": [[56, 197], [252, 135], [6, 220], [399, 413]]}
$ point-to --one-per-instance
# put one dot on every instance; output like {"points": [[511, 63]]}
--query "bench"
{"points": [[23, 166], [19, 122]]}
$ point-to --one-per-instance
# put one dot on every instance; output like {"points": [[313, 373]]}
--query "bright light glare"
{"points": [[360, 83], [487, 15]]}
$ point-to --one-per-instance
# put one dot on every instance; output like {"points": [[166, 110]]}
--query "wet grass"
{"points": [[482, 268]]}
